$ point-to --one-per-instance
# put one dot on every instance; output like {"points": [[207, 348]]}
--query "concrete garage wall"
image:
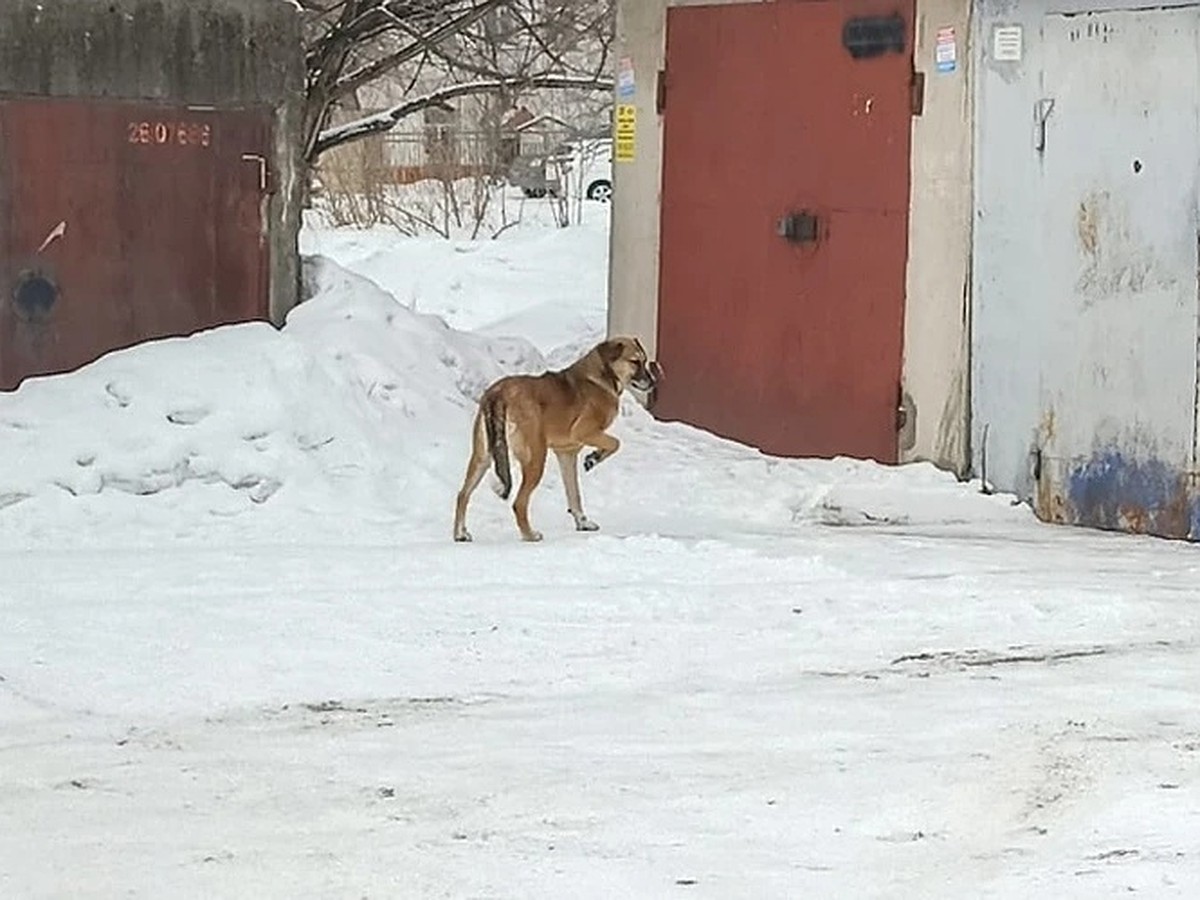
{"points": [[637, 185], [937, 311], [202, 52], [936, 359]]}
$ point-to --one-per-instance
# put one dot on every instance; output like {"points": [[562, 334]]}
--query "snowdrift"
{"points": [[352, 423], [344, 412], [545, 283]]}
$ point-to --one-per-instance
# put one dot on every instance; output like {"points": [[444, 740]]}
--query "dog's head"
{"points": [[629, 362]]}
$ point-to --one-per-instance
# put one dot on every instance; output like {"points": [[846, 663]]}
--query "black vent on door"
{"points": [[871, 36]]}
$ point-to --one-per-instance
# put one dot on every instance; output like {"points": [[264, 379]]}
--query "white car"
{"points": [[587, 169]]}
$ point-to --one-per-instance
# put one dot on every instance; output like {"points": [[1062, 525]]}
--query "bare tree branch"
{"points": [[495, 49], [388, 119], [421, 42]]}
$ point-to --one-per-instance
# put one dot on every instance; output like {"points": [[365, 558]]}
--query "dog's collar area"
{"points": [[608, 380]]}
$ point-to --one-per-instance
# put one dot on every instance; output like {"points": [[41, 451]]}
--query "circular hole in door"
{"points": [[34, 296]]}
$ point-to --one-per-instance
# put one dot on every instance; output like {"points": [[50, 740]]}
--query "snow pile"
{"points": [[217, 407], [545, 283], [348, 408], [700, 482]]}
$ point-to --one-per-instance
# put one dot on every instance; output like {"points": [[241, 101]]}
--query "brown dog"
{"points": [[563, 411]]}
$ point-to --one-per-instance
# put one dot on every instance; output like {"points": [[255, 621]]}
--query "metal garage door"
{"points": [[785, 223], [1116, 445], [121, 222]]}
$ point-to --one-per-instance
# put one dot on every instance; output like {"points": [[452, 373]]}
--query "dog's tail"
{"points": [[494, 421]]}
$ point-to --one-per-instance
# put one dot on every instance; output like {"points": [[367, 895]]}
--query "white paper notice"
{"points": [[1006, 43]]}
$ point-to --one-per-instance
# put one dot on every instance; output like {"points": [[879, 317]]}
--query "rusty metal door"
{"points": [[785, 223], [122, 222], [1116, 444]]}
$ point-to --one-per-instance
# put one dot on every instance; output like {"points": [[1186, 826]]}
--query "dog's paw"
{"points": [[532, 537], [591, 460], [463, 537], [586, 525]]}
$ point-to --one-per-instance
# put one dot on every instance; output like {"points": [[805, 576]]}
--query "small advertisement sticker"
{"points": [[626, 83], [625, 137], [945, 50]]}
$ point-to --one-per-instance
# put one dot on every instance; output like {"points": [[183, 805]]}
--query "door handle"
{"points": [[1041, 112], [262, 168], [798, 228]]}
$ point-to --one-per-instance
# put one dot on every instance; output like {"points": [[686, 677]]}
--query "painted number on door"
{"points": [[183, 134]]}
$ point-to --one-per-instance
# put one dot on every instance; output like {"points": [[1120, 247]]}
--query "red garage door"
{"points": [[122, 222], [785, 223]]}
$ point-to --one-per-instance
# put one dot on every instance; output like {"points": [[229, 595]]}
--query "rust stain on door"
{"points": [[122, 222], [1115, 258]]}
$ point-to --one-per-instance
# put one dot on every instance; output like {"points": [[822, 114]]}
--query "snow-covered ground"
{"points": [[241, 656]]}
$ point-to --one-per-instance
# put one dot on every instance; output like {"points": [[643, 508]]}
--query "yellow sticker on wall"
{"points": [[625, 138]]}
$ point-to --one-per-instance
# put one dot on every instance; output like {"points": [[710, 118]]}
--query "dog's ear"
{"points": [[610, 351]]}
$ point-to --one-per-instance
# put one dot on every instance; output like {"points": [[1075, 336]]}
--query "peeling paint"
{"points": [[1048, 501], [1047, 428], [1114, 491], [1115, 261]]}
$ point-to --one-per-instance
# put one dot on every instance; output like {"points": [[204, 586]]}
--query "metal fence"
{"points": [[437, 151], [444, 153]]}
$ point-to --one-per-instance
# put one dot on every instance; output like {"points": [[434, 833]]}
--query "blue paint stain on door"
{"points": [[1115, 491]]}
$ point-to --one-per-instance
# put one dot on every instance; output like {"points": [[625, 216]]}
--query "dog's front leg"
{"points": [[606, 445], [568, 463]]}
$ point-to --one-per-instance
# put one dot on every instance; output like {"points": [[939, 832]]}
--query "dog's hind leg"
{"points": [[476, 467], [606, 445], [568, 462], [533, 463]]}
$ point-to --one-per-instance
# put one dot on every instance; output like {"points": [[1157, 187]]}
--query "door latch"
{"points": [[798, 228], [1041, 113], [262, 168]]}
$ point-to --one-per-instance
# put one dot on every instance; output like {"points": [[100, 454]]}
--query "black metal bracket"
{"points": [[798, 227]]}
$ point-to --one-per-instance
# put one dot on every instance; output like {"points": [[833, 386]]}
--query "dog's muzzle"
{"points": [[647, 376]]}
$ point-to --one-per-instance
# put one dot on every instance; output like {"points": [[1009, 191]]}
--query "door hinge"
{"points": [[660, 91], [901, 409], [916, 93]]}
